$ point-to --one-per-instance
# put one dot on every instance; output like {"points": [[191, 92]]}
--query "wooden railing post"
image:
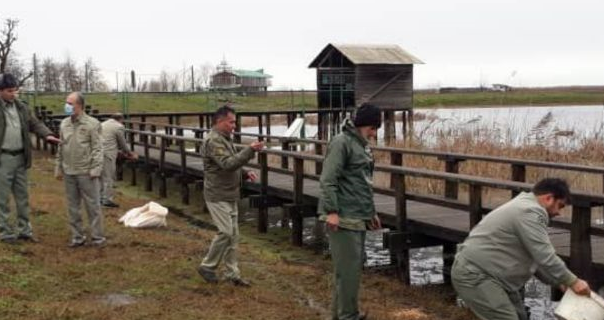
{"points": [[153, 138], [237, 137], [163, 184], [318, 152], [268, 127], [260, 128], [518, 174], [396, 159], [262, 208], [148, 170], [285, 159], [297, 218], [580, 241], [402, 262], [184, 186], [475, 204], [451, 187]]}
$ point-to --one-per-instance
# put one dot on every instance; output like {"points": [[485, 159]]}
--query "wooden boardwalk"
{"points": [[446, 224]]}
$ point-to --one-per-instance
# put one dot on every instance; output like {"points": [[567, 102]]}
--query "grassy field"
{"points": [[150, 274], [166, 102]]}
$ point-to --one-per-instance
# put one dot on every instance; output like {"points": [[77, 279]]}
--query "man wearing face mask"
{"points": [[346, 205], [16, 122], [507, 248], [79, 164]]}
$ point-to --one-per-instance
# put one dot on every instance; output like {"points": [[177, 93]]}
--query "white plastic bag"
{"points": [[150, 215]]}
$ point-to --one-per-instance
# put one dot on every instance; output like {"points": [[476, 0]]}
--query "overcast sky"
{"points": [[463, 43]]}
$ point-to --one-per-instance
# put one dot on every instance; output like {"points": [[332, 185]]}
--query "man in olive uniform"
{"points": [[114, 141], [222, 179], [507, 248], [16, 122], [346, 205], [79, 164]]}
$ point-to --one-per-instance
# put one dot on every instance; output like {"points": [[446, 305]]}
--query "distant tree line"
{"points": [[51, 75]]}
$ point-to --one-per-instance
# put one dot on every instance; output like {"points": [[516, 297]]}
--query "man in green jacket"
{"points": [[507, 248], [346, 205], [222, 170], [16, 122]]}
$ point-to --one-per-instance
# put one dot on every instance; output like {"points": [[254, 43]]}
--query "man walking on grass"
{"points": [[222, 165], [346, 205], [508, 247]]}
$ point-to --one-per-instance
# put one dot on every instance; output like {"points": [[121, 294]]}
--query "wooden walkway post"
{"points": [[285, 159], [148, 169], [475, 204], [263, 208], [318, 152], [518, 174], [184, 178], [451, 187], [237, 138], [296, 216], [163, 184], [580, 241], [402, 262]]}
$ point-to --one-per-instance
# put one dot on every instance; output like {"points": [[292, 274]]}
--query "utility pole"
{"points": [[35, 63], [117, 83], [184, 78], [192, 80], [86, 80]]}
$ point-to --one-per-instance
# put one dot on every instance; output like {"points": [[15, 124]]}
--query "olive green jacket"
{"points": [[222, 164], [511, 244], [347, 177], [29, 123], [80, 151]]}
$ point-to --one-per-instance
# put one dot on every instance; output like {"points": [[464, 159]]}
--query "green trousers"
{"points": [[347, 248], [108, 178], [487, 299], [82, 188], [224, 246], [13, 179]]}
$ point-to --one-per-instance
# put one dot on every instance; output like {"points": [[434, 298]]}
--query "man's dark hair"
{"points": [[557, 187], [8, 81], [221, 113]]}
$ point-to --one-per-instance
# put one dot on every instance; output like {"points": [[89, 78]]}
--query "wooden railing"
{"points": [[580, 226]]}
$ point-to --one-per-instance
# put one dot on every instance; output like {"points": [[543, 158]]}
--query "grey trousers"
{"points": [[224, 245], [347, 250], [80, 188], [13, 179], [487, 299], [108, 178]]}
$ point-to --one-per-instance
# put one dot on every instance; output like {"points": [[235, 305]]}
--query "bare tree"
{"points": [[8, 62], [175, 82], [91, 73], [164, 82], [71, 78], [51, 75], [8, 38], [155, 86], [206, 71]]}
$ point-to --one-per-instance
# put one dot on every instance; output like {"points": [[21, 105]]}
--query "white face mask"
{"points": [[68, 109]]}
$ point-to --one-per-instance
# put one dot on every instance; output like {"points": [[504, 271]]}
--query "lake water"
{"points": [[564, 126]]}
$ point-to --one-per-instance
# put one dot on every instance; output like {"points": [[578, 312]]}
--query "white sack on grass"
{"points": [[150, 215]]}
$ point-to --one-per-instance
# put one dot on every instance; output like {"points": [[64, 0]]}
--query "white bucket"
{"points": [[576, 307]]}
